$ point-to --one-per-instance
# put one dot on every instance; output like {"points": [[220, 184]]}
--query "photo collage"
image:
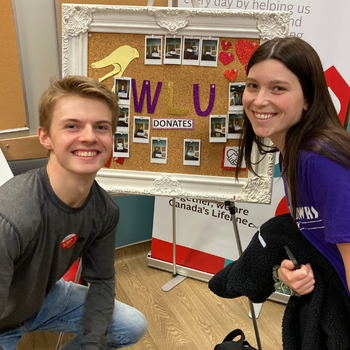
{"points": [[224, 127], [122, 87], [137, 129], [221, 127], [195, 51]]}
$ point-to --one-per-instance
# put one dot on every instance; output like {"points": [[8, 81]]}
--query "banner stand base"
{"points": [[173, 283]]}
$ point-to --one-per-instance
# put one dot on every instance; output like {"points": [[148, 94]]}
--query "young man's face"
{"points": [[80, 137]]}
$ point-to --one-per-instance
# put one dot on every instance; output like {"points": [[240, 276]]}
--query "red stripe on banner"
{"points": [[282, 207], [340, 88], [187, 257]]}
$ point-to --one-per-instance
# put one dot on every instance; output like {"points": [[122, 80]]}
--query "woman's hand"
{"points": [[301, 281]]}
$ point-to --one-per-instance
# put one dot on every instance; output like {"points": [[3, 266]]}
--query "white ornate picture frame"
{"points": [[79, 20]]}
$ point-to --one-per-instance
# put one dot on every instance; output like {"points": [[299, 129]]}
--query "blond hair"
{"points": [[75, 85]]}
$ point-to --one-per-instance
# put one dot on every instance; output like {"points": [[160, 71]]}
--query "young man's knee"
{"points": [[133, 328], [140, 327]]}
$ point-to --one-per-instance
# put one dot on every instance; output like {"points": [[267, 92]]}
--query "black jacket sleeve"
{"points": [[251, 274]]}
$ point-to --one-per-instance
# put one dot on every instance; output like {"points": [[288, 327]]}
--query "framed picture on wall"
{"points": [[122, 87], [235, 96], [192, 152], [235, 125], [141, 129], [191, 50], [172, 49], [218, 128], [123, 120], [210, 51], [121, 145], [159, 150], [153, 49]]}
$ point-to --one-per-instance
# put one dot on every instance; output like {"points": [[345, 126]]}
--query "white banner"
{"points": [[5, 171], [207, 227]]}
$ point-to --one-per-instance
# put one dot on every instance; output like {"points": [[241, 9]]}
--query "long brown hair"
{"points": [[318, 130]]}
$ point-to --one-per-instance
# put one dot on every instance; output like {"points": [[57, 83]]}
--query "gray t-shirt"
{"points": [[35, 226]]}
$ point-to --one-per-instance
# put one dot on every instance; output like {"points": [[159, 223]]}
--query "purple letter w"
{"points": [[146, 89]]}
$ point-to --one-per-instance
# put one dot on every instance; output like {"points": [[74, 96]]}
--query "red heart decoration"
{"points": [[230, 74], [108, 163], [226, 45], [226, 58], [246, 68], [245, 50]]}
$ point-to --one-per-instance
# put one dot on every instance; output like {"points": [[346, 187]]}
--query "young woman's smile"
{"points": [[273, 100]]}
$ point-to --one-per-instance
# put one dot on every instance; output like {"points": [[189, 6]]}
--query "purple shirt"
{"points": [[323, 211]]}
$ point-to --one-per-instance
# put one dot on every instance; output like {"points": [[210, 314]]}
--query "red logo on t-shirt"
{"points": [[69, 240]]}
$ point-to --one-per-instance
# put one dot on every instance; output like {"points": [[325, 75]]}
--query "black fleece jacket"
{"points": [[316, 321]]}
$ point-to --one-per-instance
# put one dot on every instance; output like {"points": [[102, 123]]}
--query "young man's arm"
{"points": [[9, 246], [98, 270]]}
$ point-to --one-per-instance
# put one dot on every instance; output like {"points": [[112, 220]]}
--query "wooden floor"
{"points": [[189, 317]]}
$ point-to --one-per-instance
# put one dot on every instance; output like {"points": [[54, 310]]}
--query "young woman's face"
{"points": [[273, 100]]}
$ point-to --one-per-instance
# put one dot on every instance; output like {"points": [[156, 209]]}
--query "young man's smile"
{"points": [[85, 153]]}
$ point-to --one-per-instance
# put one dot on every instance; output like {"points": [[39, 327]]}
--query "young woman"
{"points": [[286, 100]]}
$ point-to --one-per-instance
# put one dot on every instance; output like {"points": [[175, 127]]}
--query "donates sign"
{"points": [[172, 123]]}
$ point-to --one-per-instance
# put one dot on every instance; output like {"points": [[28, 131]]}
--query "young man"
{"points": [[51, 216]]}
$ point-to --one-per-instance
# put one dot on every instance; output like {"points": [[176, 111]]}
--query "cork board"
{"points": [[103, 30], [183, 77], [12, 104]]}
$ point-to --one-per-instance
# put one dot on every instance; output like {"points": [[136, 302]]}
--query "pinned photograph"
{"points": [[229, 158], [191, 50], [159, 150], [217, 128], [173, 48], [122, 87], [192, 152], [121, 145], [123, 121], [153, 49], [141, 129], [209, 52], [235, 96], [235, 125]]}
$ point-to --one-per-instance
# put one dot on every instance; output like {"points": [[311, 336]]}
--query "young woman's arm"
{"points": [[344, 250]]}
